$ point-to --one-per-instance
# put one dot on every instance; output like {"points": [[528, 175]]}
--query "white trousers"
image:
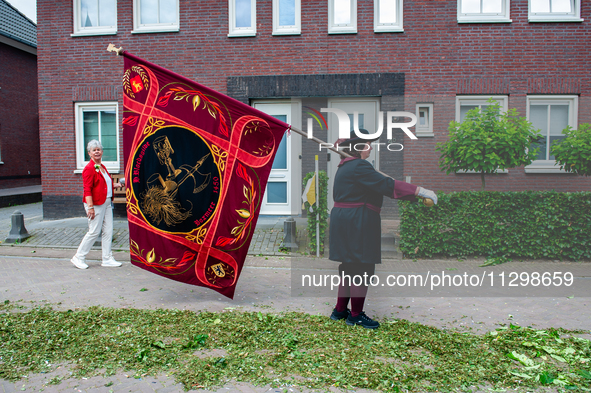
{"points": [[103, 219]]}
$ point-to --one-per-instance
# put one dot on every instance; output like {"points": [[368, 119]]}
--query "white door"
{"points": [[367, 109], [278, 198]]}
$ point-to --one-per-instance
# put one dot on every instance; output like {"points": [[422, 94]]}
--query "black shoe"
{"points": [[338, 315], [362, 320]]}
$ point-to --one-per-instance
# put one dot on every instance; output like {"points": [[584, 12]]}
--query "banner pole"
{"points": [[317, 208], [426, 201], [320, 142]]}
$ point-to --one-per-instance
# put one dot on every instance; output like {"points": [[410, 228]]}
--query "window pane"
{"points": [[107, 10], [464, 110], [243, 13], [492, 6], [424, 117], [360, 119], [287, 15], [470, 6], [88, 13], [90, 129], [538, 116], [342, 12], [561, 6], [540, 5], [387, 11], [280, 161], [109, 135], [149, 12], [168, 11], [276, 192], [558, 119]]}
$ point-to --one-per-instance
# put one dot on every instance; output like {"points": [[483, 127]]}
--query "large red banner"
{"points": [[196, 167]]}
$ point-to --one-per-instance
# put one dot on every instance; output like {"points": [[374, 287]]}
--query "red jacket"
{"points": [[94, 184]]}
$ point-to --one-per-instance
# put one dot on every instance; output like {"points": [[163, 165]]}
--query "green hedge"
{"points": [[531, 224]]}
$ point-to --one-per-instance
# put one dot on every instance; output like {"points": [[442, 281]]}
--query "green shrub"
{"points": [[531, 224], [487, 141], [573, 153], [322, 209]]}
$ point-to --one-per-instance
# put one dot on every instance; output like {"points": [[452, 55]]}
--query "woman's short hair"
{"points": [[92, 144]]}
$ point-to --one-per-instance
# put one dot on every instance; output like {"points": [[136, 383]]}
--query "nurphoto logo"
{"points": [[345, 127]]}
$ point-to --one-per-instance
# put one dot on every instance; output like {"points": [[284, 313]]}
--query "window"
{"points": [[242, 15], [95, 17], [342, 16], [424, 127], [155, 16], [287, 17], [483, 11], [466, 103], [387, 16], [551, 115], [555, 11], [97, 120]]}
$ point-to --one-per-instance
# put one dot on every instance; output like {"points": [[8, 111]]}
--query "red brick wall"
{"points": [[19, 119], [435, 52]]}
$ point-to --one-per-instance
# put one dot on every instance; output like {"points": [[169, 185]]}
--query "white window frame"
{"points": [[387, 27], [139, 28], [242, 31], [503, 17], [80, 31], [424, 131], [551, 166], [350, 28], [287, 30], [481, 100], [574, 16], [79, 109]]}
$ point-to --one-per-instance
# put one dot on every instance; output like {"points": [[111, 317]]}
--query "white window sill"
{"points": [[424, 134], [498, 172], [93, 33], [353, 31], [544, 168], [1, 163], [112, 170], [156, 29], [388, 29], [243, 34], [484, 20], [287, 33], [535, 19]]}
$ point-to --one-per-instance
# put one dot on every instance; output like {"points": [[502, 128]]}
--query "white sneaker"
{"points": [[78, 263], [111, 262]]}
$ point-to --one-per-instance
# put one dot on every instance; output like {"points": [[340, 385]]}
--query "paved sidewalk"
{"points": [[40, 271], [68, 233]]}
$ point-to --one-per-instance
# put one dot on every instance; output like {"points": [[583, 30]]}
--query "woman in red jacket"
{"points": [[98, 194]]}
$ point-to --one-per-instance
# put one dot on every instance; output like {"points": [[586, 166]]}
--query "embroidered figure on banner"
{"points": [[174, 195], [159, 201]]}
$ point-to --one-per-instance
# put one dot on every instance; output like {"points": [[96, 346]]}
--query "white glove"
{"points": [[423, 192]]}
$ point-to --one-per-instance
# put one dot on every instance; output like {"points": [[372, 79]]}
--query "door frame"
{"points": [[292, 108], [333, 135]]}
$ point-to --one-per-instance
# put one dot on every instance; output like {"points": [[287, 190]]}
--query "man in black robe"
{"points": [[355, 224]]}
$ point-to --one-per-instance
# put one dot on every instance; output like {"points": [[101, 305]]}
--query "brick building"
{"points": [[435, 58], [20, 164]]}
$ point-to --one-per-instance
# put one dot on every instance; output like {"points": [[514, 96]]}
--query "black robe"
{"points": [[356, 231]]}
